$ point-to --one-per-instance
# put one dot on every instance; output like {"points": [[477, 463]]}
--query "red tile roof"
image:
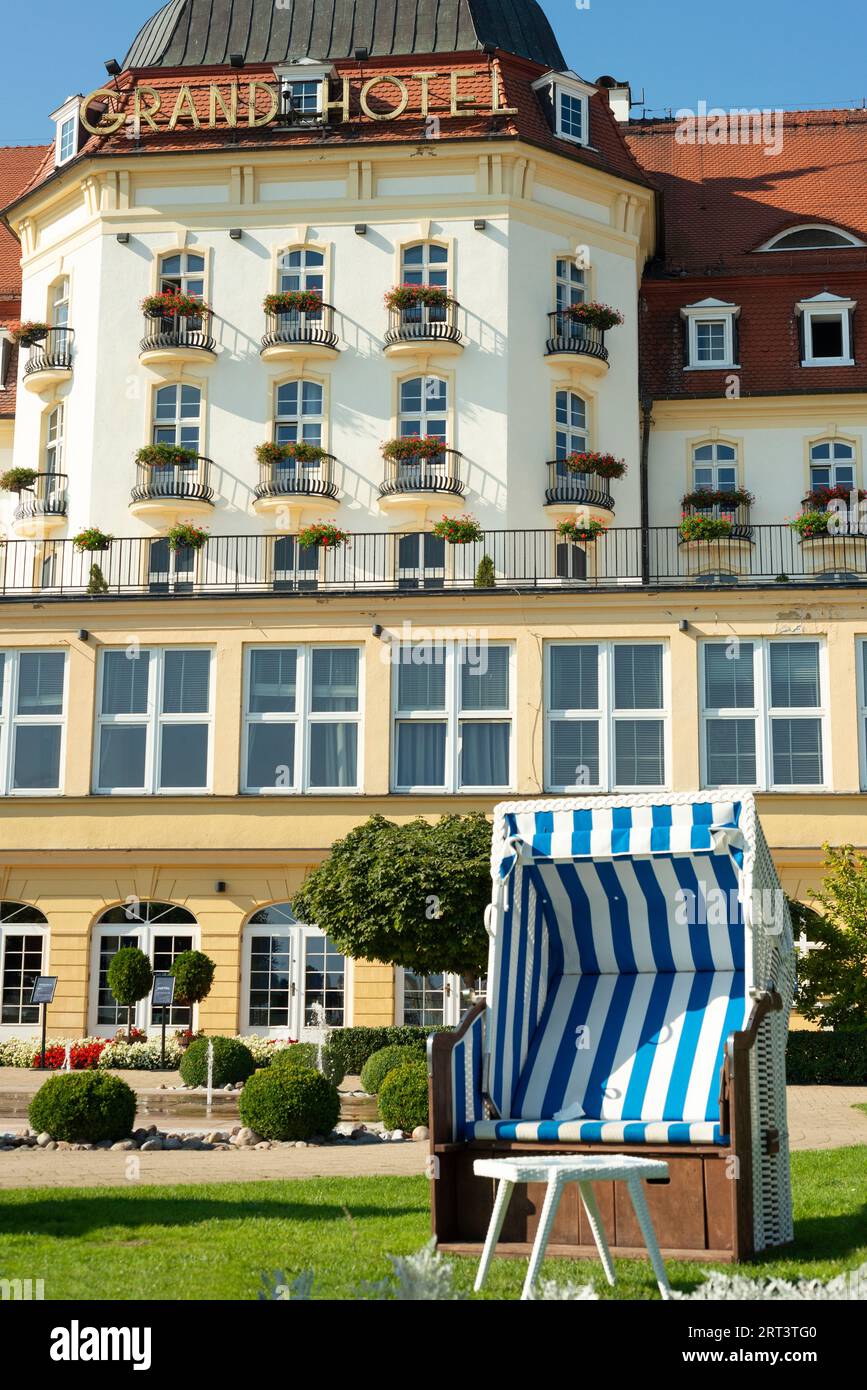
{"points": [[18, 163]]}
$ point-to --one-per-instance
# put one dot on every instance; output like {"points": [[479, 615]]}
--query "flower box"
{"points": [[594, 315], [29, 332], [186, 536], [458, 530], [166, 456], [18, 479], [322, 535], [92, 539], [583, 532], [705, 528], [729, 498], [411, 296], [302, 452], [818, 499], [811, 524], [293, 301], [172, 305], [426, 446], [602, 465]]}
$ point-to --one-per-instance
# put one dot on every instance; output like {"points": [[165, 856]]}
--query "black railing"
{"points": [[290, 476], [582, 489], [384, 563], [440, 473], [46, 496], [315, 326], [566, 334], [170, 331], [738, 517], [424, 322], [174, 480], [53, 353]]}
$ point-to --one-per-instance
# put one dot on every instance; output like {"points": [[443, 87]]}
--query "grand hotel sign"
{"points": [[256, 103]]}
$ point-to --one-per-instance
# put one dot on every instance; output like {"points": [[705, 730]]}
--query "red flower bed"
{"points": [[83, 1056]]}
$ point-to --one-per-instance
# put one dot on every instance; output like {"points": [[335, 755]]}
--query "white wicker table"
{"points": [[556, 1173]]}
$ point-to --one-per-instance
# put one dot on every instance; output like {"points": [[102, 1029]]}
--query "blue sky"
{"points": [[734, 53]]}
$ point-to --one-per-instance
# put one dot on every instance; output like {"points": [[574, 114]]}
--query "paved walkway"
{"points": [[821, 1117]]}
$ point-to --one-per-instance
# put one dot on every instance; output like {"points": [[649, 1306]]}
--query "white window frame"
{"points": [[764, 713], [12, 928], [303, 718], [832, 463], [453, 716], [154, 719], [825, 306], [424, 416], [427, 267], [714, 464], [65, 115], [304, 272], [11, 721], [558, 85], [300, 421], [300, 934], [568, 291], [308, 70], [179, 422], [451, 1001], [607, 716], [145, 932], [710, 311]]}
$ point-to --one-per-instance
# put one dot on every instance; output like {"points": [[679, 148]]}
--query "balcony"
{"points": [[42, 507], [170, 340], [569, 493], [625, 559], [49, 361], [571, 343], [170, 492], [416, 487], [716, 539], [290, 491], [294, 333], [424, 329]]}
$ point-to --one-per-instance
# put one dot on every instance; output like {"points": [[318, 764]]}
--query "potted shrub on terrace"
{"points": [[166, 455], [18, 479], [172, 304], [92, 539], [29, 331], [293, 301], [458, 530], [594, 315], [185, 535], [601, 465], [486, 574], [704, 528], [811, 523], [302, 452], [411, 296], [583, 532], [322, 535]]}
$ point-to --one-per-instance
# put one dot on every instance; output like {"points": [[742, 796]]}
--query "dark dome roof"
{"points": [[202, 33]]}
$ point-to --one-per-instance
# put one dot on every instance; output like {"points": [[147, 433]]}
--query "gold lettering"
{"points": [[147, 112], [230, 112], [385, 115], [110, 120], [341, 104], [463, 105], [253, 88], [185, 98], [424, 78], [496, 95]]}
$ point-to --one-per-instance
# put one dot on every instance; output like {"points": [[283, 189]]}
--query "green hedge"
{"points": [[403, 1100], [352, 1047], [827, 1059], [84, 1107]]}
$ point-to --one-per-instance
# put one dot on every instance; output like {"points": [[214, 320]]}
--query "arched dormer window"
{"points": [[811, 236]]}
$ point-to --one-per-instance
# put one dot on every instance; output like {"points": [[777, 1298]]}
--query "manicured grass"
{"points": [[214, 1242]]}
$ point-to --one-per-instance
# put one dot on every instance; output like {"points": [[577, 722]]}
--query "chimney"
{"points": [[619, 95]]}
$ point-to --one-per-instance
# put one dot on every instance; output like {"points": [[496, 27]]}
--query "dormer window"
{"points": [[812, 236], [303, 88], [66, 123], [567, 100], [826, 331], [711, 335]]}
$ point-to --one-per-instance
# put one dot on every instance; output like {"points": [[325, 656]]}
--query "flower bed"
{"points": [[705, 528], [425, 446], [728, 497], [83, 1056], [458, 530], [170, 304], [410, 296], [601, 465], [594, 315], [121, 1055], [293, 301], [302, 452]]}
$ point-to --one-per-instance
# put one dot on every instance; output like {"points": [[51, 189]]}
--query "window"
{"points": [[67, 140], [570, 435], [23, 957], [302, 716], [163, 931], [566, 98], [424, 405], [571, 284], [607, 720], [295, 978], [452, 717], [762, 713], [299, 414], [303, 89], [832, 464], [812, 237], [59, 303], [302, 269], [428, 1001], [826, 331], [426, 263], [154, 720], [714, 467], [711, 334], [571, 116], [32, 706], [183, 273], [66, 131], [52, 458], [177, 418], [302, 97]]}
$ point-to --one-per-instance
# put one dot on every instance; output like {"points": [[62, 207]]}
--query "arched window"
{"points": [[183, 272], [832, 464], [302, 269], [177, 416], [714, 467], [812, 236], [163, 931], [424, 406], [425, 263], [294, 977], [23, 956], [299, 413]]}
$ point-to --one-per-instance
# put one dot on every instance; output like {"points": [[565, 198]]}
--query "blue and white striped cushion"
{"points": [[597, 1132]]}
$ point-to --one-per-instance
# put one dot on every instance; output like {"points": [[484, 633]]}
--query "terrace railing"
{"points": [[52, 353], [301, 326]]}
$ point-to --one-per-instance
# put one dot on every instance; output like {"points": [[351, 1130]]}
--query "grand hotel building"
{"points": [[183, 733]]}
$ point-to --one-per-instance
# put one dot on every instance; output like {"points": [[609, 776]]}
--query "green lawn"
{"points": [[213, 1242]]}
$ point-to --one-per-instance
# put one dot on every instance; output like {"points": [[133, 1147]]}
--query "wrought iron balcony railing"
{"points": [[52, 353], [739, 517], [314, 326], [582, 489], [424, 323], [289, 477], [46, 497], [622, 559], [157, 481], [566, 335], [440, 473], [171, 331]]}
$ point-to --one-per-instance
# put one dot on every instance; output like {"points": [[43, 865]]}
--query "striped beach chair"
{"points": [[640, 979]]}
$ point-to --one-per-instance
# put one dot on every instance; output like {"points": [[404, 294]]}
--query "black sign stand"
{"points": [[163, 998], [43, 994]]}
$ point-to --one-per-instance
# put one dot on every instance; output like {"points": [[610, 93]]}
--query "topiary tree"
{"points": [[84, 1107], [194, 975], [289, 1103], [486, 574], [130, 978], [832, 981], [306, 1056], [403, 1100], [377, 1067], [233, 1062], [411, 895]]}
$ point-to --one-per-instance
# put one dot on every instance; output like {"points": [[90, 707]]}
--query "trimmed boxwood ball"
{"points": [[232, 1062], [403, 1099], [83, 1107], [289, 1103], [305, 1055], [377, 1067]]}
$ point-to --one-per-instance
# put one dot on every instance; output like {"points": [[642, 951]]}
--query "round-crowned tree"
{"points": [[289, 1103], [403, 1098], [194, 975], [233, 1062], [130, 978], [84, 1107], [411, 895]]}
